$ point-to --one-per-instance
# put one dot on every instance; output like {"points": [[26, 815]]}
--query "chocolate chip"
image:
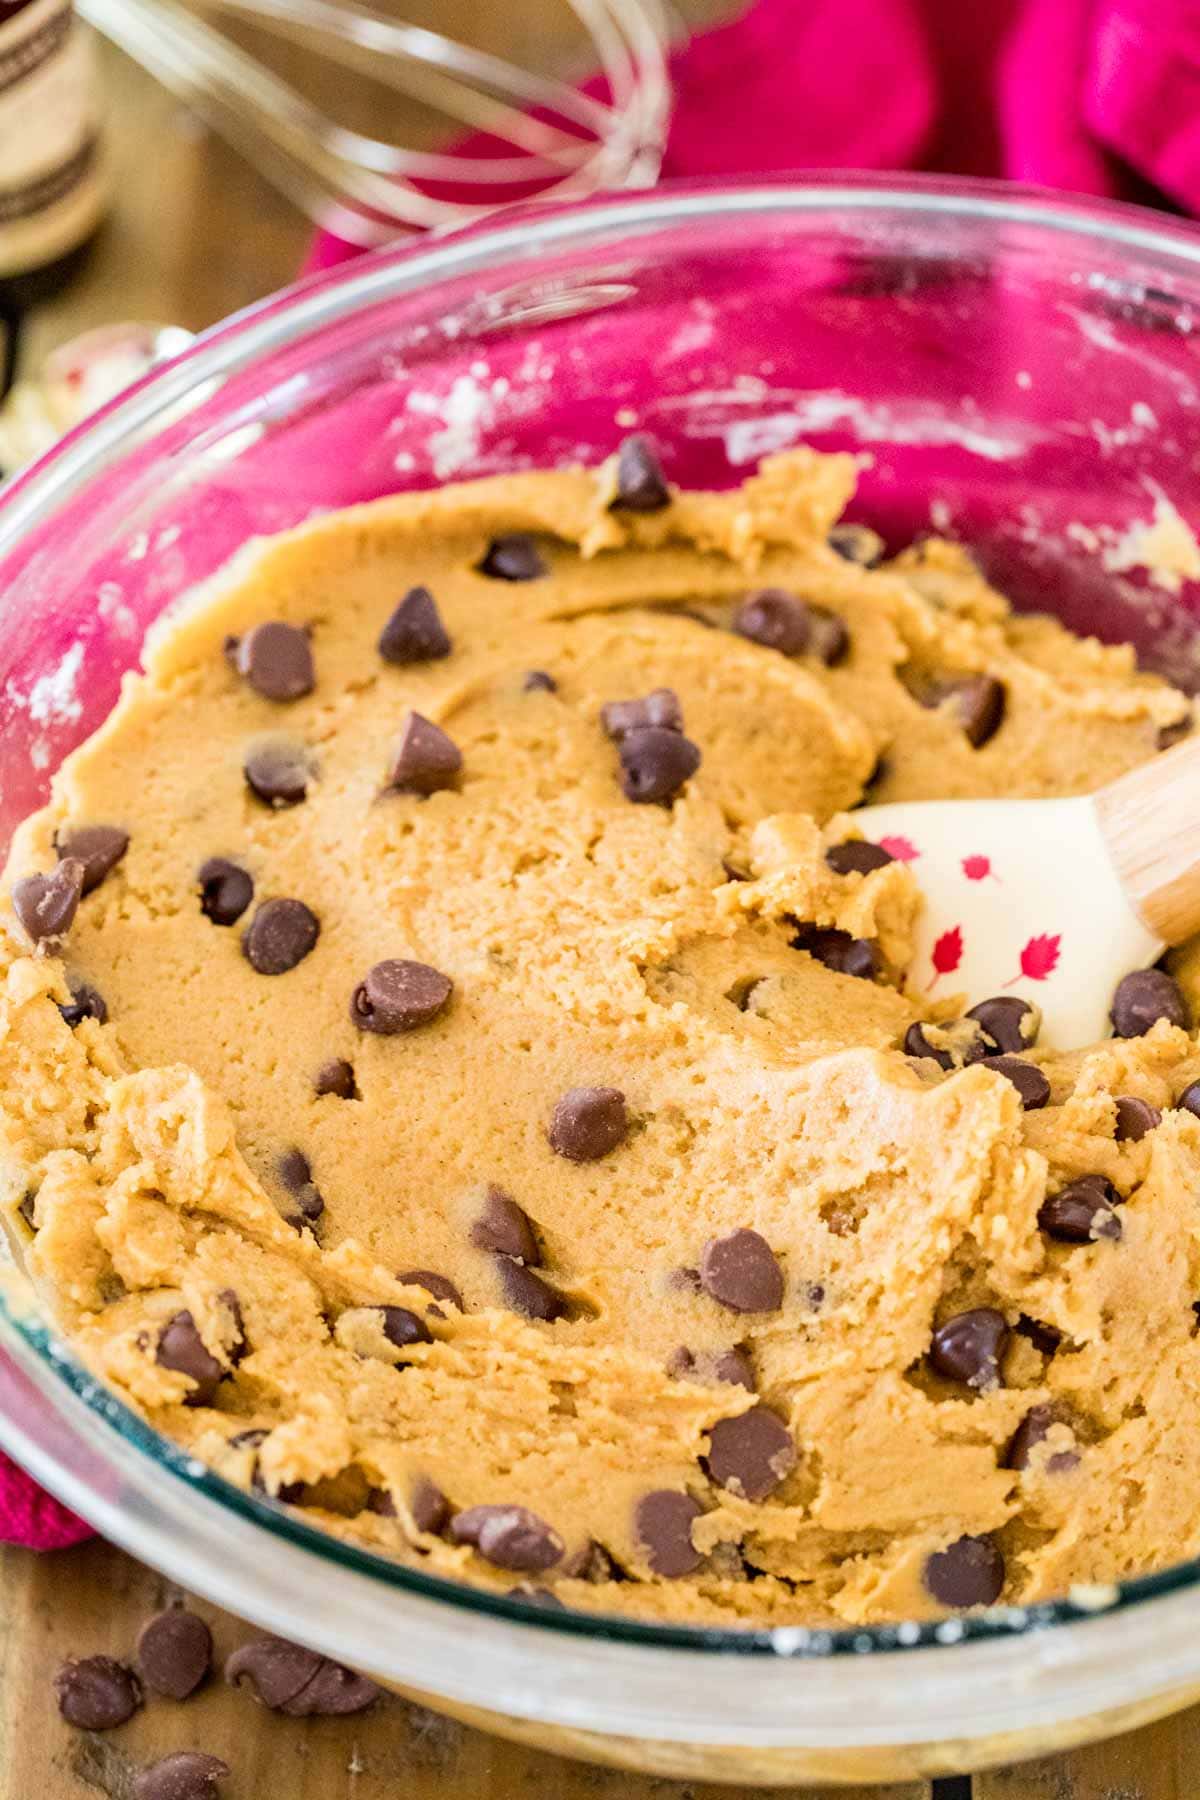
{"points": [[641, 484], [838, 951], [857, 544], [425, 761], [380, 1502], [183, 1775], [336, 1077], [591, 1563], [402, 1327], [174, 1652], [975, 702], [857, 857], [917, 1044], [750, 1455], [1189, 1100], [278, 773], [440, 1286], [828, 638], [968, 1347], [85, 1003], [969, 1572], [1009, 1025], [276, 659], [1033, 1430], [1135, 1118], [1043, 1337], [280, 935], [776, 619], [96, 1693], [659, 710], [399, 996], [1029, 1081], [528, 1294], [663, 1523], [588, 1123], [428, 1505], [415, 632], [537, 681], [1081, 1212], [46, 905], [740, 1271], [233, 1306], [98, 847], [288, 1492], [513, 557], [510, 1537], [295, 1172], [655, 764], [1142, 999], [299, 1682], [735, 1367], [225, 890], [180, 1347], [505, 1229]]}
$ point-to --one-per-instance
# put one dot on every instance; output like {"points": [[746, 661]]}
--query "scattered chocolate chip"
{"points": [[655, 763], [174, 1652], [750, 1455], [1043, 1337], [740, 1271], [505, 1229], [857, 857], [295, 1172], [299, 1682], [659, 710], [828, 638], [838, 951], [1029, 1081], [1033, 1430], [917, 1044], [969, 1572], [776, 619], [514, 557], [537, 681], [96, 1693], [398, 996], [1135, 1118], [276, 659], [528, 1294], [225, 890], [45, 905], [968, 1347], [1189, 1100], [510, 1537], [280, 935], [857, 544], [1081, 1212], [428, 1505], [183, 1775], [641, 484], [663, 1523], [1009, 1025], [415, 632], [85, 1003], [425, 761], [278, 773], [180, 1347], [98, 847], [440, 1286], [735, 1367], [380, 1502], [588, 1123], [1142, 999], [402, 1327], [336, 1077]]}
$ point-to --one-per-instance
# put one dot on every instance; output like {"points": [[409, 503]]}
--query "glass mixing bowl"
{"points": [[1019, 369]]}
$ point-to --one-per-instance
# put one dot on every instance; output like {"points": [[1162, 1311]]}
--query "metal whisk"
{"points": [[546, 139]]}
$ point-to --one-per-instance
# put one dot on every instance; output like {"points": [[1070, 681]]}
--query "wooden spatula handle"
{"points": [[1150, 821]]}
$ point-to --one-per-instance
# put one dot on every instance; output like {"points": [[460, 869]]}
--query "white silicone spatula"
{"points": [[1052, 900]]}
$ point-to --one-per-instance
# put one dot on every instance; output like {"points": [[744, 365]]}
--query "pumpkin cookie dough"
{"points": [[457, 1073]]}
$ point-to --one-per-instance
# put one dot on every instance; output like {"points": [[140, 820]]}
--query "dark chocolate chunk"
{"points": [[98, 847], [295, 1173], [398, 996], [288, 1492], [662, 1523], [440, 1286], [85, 1003], [425, 761], [838, 951], [857, 544], [659, 710], [181, 1347], [278, 773], [279, 936], [402, 1327], [588, 1123], [290, 1679], [96, 1693], [379, 1501], [828, 637], [1026, 1077], [752, 1454], [513, 557], [969, 1572], [1033, 1430], [1189, 1100], [225, 890], [591, 1563], [1081, 1212], [917, 1044], [740, 1271], [415, 633], [857, 857], [776, 619], [975, 702], [1142, 999], [45, 905], [968, 1347], [510, 1537], [174, 1652], [735, 1367], [276, 659], [1135, 1118], [655, 764], [528, 1294], [641, 484], [1043, 1337], [1009, 1025], [505, 1229], [183, 1775], [336, 1077], [537, 681], [428, 1505]]}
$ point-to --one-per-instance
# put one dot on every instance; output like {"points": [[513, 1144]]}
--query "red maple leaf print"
{"points": [[947, 953], [978, 868], [900, 849], [1039, 959]]}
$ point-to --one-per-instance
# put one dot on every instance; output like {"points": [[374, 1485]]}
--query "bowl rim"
{"points": [[279, 320]]}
